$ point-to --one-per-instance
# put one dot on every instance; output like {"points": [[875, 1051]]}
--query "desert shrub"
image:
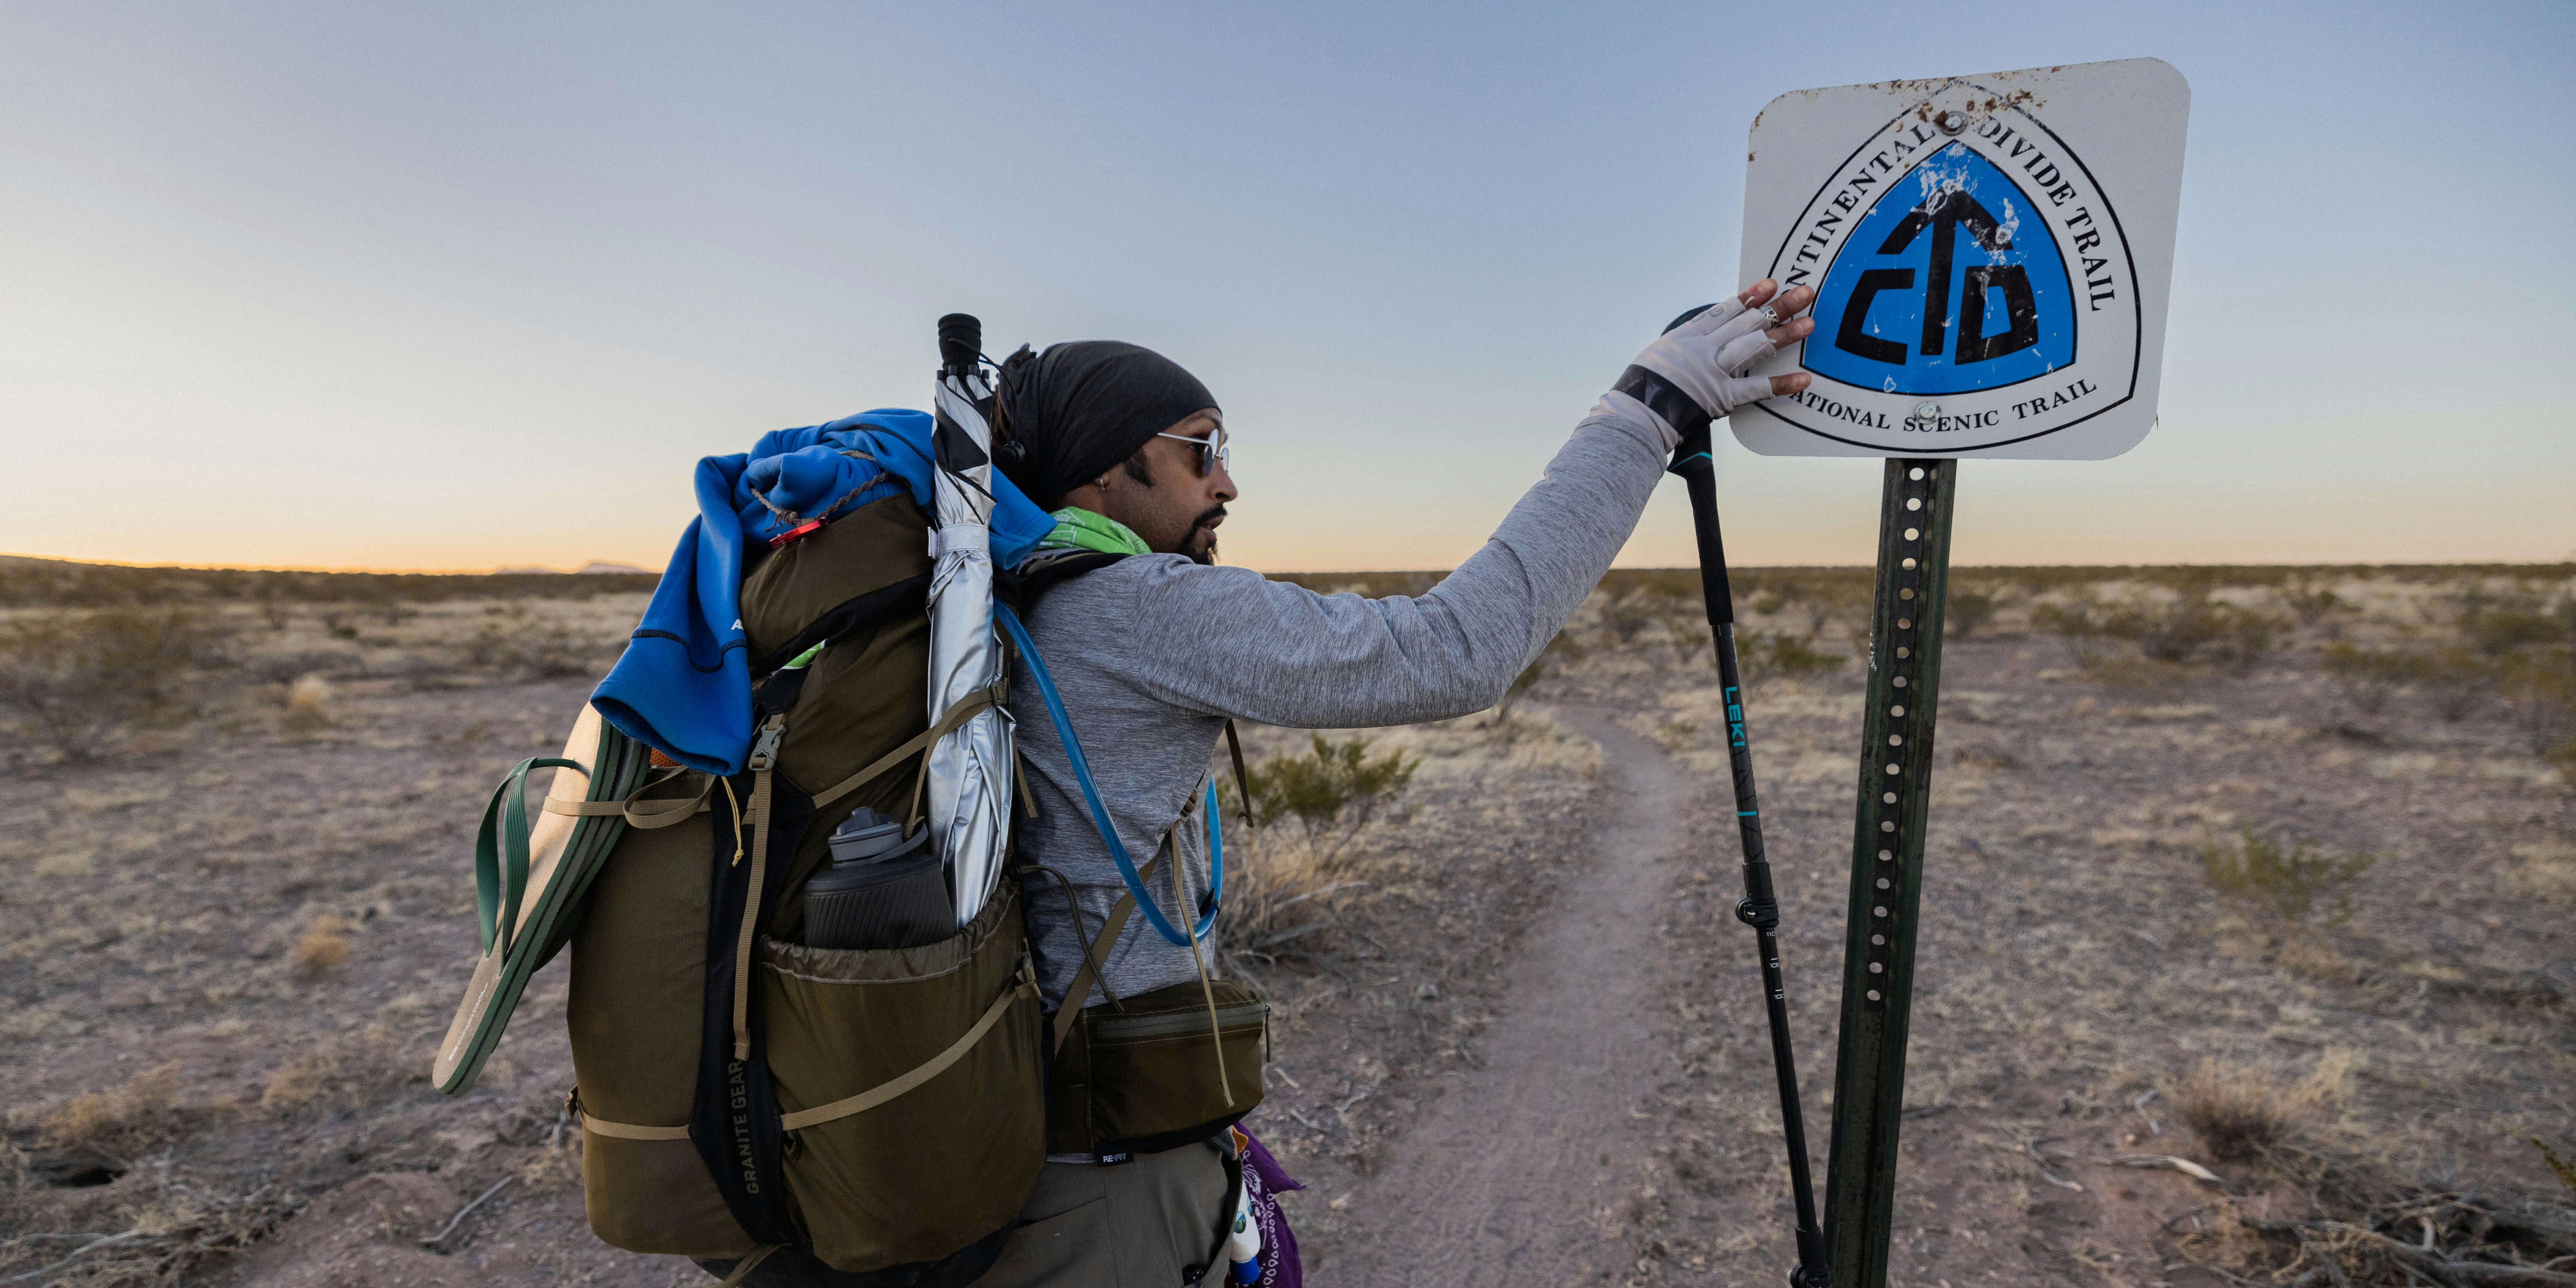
{"points": [[288, 667], [1521, 684], [2499, 624], [2191, 627], [2242, 1114], [1831, 601], [1685, 622], [536, 651], [275, 609], [345, 1071], [122, 1121], [1781, 655], [2284, 878], [2238, 1113], [2562, 757], [2310, 599], [1563, 647], [75, 681], [1626, 616], [1333, 792], [324, 947], [1765, 603], [2562, 1169], [2368, 678], [308, 704], [2458, 680], [2541, 690], [2188, 629], [2077, 624], [2137, 677], [1966, 612], [2244, 638], [1278, 899]]}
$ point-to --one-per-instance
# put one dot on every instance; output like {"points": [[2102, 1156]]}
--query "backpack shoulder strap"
{"points": [[1043, 571]]}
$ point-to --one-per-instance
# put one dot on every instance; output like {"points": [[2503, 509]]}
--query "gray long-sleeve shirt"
{"points": [[1151, 655]]}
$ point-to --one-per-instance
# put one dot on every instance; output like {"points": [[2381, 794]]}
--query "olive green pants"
{"points": [[1140, 1224]]}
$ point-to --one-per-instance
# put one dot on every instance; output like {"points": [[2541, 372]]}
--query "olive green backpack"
{"points": [[883, 1113]]}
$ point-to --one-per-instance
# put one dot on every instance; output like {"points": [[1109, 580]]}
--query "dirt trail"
{"points": [[1509, 1177]]}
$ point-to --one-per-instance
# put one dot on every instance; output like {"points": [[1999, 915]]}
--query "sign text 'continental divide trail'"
{"points": [[1991, 257]]}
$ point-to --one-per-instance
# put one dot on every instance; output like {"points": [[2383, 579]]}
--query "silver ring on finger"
{"points": [[1770, 317]]}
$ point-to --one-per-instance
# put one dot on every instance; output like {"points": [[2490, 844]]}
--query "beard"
{"points": [[1204, 557]]}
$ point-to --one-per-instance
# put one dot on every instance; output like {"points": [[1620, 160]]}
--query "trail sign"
{"points": [[1992, 257]]}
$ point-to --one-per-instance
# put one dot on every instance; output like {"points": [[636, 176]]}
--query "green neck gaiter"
{"points": [[1079, 529]]}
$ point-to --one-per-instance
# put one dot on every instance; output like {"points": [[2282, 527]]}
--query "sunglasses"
{"points": [[1212, 449]]}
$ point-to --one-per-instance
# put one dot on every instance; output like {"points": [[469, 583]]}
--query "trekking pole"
{"points": [[1759, 908]]}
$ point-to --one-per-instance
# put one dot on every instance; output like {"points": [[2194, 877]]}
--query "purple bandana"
{"points": [[1264, 1180]]}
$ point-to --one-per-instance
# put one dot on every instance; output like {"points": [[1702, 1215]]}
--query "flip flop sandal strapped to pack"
{"points": [[529, 877]]}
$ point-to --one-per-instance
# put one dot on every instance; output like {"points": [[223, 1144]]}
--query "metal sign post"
{"points": [[1887, 864], [1992, 257]]}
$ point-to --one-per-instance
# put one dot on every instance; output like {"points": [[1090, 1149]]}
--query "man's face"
{"points": [[1174, 507]]}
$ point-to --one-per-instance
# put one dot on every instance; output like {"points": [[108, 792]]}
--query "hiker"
{"points": [[1151, 653]]}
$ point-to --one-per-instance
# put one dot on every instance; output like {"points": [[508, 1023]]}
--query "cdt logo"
{"points": [[1949, 283], [1974, 289]]}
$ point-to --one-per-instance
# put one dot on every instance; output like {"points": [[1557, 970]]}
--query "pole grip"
{"points": [[961, 342], [1699, 477]]}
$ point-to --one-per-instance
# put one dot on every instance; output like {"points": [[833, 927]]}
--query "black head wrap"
{"points": [[1086, 405]]}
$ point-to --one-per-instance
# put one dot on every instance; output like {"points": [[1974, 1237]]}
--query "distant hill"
{"points": [[594, 568], [27, 582]]}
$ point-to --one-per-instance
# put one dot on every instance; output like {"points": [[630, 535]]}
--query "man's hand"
{"points": [[1695, 372]]}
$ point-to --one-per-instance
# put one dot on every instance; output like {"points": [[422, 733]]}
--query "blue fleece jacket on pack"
{"points": [[683, 685]]}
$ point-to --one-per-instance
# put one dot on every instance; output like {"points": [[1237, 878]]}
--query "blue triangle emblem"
{"points": [[1949, 283]]}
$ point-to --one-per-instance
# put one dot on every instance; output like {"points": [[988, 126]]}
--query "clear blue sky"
{"points": [[460, 285]]}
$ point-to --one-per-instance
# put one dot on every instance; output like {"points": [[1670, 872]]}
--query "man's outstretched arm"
{"points": [[1229, 642]]}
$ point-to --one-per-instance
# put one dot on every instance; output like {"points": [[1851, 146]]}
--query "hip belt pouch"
{"points": [[1152, 1072], [909, 1086]]}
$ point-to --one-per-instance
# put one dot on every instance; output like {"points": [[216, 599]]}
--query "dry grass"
{"points": [[142, 1112], [2242, 1114], [308, 704], [2284, 878], [347, 1070], [324, 947]]}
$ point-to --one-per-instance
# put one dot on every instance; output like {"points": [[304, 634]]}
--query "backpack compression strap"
{"points": [[501, 850]]}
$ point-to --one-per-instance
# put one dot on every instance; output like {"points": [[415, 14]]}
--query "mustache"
{"points": [[1205, 557]]}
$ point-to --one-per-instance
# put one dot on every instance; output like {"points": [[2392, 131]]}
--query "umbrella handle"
{"points": [[961, 343]]}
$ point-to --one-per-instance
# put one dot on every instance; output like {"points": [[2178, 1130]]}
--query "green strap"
{"points": [[1093, 972], [919, 1074], [742, 1269], [501, 852]]}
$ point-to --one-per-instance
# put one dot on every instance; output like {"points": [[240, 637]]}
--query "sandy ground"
{"points": [[1530, 1051]]}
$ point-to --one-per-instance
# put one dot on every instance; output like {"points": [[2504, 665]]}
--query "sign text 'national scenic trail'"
{"points": [[1991, 257]]}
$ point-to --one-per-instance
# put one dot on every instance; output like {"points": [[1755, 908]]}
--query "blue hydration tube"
{"points": [[1100, 815]]}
